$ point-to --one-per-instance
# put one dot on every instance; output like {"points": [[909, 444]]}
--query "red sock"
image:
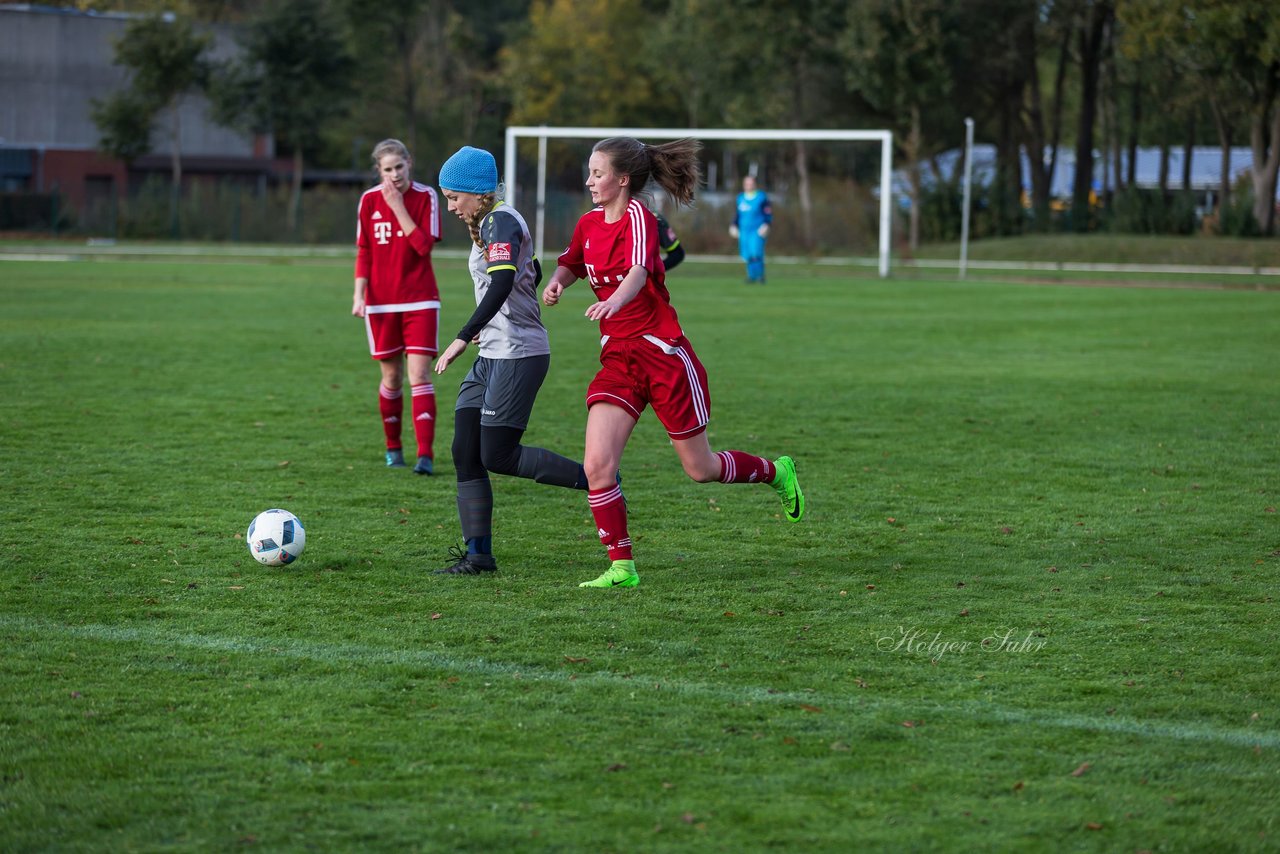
{"points": [[390, 405], [740, 467], [424, 417], [610, 513]]}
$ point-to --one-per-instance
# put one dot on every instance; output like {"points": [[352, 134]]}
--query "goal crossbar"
{"points": [[542, 133]]}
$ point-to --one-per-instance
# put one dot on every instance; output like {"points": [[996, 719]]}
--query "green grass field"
{"points": [[1032, 605]]}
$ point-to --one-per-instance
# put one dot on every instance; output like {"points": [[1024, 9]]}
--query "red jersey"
{"points": [[604, 252], [398, 268]]}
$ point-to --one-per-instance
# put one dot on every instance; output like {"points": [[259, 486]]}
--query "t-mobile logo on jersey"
{"points": [[382, 231]]}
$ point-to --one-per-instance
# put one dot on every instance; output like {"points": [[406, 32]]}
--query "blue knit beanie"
{"points": [[470, 170]]}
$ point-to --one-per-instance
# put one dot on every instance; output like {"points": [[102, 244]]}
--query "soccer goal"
{"points": [[542, 133]]}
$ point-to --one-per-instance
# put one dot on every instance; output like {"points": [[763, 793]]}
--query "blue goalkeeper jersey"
{"points": [[753, 210]]}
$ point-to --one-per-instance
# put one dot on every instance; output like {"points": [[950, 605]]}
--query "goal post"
{"points": [[542, 133]]}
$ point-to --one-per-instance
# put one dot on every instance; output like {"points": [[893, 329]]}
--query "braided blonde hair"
{"points": [[488, 201]]}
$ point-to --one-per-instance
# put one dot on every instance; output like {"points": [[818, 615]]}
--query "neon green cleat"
{"points": [[788, 488], [621, 574]]}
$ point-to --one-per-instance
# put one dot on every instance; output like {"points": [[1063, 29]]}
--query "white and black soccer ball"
{"points": [[276, 537]]}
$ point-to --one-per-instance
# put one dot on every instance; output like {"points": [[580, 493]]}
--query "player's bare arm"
{"points": [[626, 292], [562, 278], [358, 298], [453, 351]]}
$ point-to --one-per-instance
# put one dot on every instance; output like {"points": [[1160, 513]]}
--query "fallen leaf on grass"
{"points": [[911, 724], [813, 709], [236, 587], [1079, 772], [575, 660], [1018, 786], [617, 766], [435, 616], [1093, 825]]}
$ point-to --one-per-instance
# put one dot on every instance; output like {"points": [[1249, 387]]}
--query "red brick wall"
{"points": [[66, 171]]}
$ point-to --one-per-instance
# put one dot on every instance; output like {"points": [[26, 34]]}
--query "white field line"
{"points": [[18, 256], [366, 656]]}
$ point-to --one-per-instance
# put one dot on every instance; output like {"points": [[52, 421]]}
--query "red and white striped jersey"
{"points": [[603, 252], [398, 268]]}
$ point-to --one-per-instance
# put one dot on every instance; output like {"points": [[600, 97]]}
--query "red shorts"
{"points": [[636, 372], [395, 332]]}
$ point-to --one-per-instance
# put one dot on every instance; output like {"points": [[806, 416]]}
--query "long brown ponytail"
{"points": [[673, 165]]}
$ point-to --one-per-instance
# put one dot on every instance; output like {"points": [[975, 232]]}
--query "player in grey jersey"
{"points": [[497, 395]]}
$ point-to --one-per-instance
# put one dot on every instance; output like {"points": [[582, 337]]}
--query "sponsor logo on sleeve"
{"points": [[499, 251]]}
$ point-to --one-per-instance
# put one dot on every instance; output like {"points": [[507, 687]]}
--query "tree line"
{"points": [[1093, 77]]}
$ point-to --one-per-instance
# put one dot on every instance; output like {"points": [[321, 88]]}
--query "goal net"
{"points": [[882, 192]]}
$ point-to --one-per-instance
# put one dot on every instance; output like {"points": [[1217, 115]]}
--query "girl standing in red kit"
{"points": [[395, 293]]}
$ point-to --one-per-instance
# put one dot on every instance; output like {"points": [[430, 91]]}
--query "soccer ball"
{"points": [[276, 537]]}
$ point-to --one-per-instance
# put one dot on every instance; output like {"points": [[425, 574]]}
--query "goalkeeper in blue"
{"points": [[751, 218]]}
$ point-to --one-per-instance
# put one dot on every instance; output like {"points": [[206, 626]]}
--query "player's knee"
{"points": [[500, 449], [500, 458], [466, 447], [599, 469]]}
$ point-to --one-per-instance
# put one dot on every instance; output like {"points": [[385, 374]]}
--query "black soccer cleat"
{"points": [[468, 564]]}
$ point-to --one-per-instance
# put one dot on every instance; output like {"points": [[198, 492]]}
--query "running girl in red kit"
{"points": [[395, 293], [645, 358]]}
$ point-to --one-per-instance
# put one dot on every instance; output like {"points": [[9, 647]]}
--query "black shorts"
{"points": [[503, 389]]}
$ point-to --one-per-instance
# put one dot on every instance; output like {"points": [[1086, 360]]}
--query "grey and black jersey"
{"points": [[516, 330]]}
